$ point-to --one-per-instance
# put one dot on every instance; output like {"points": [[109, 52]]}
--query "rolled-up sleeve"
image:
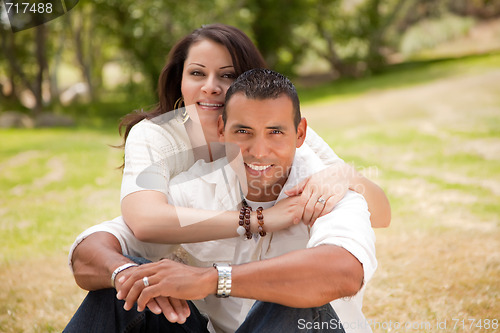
{"points": [[348, 226], [129, 244]]}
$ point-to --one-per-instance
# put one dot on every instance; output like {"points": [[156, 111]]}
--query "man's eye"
{"points": [[242, 131], [276, 132]]}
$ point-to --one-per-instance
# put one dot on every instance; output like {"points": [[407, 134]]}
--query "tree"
{"points": [[352, 35]]}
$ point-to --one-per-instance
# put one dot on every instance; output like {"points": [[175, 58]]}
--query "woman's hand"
{"points": [[323, 190], [175, 310], [284, 214]]}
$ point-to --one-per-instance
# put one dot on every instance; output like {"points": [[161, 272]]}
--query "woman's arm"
{"points": [[378, 203], [152, 219]]}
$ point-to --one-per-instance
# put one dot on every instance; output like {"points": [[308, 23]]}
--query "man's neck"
{"points": [[263, 204]]}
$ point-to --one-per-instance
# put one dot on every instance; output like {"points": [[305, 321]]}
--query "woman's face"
{"points": [[208, 72]]}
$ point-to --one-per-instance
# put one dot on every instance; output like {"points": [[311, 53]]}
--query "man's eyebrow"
{"points": [[276, 127], [241, 126]]}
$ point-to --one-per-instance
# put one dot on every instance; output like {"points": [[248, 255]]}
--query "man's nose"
{"points": [[259, 148]]}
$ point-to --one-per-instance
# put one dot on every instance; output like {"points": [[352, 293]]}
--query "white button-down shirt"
{"points": [[215, 186]]}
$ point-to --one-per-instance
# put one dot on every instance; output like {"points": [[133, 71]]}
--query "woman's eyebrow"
{"points": [[197, 64]]}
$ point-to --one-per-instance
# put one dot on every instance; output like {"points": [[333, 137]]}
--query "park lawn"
{"points": [[429, 135]]}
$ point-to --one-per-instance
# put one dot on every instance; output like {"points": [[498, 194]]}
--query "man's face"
{"points": [[266, 135]]}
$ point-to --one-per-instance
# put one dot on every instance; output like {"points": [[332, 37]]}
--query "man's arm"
{"points": [[303, 278], [95, 259]]}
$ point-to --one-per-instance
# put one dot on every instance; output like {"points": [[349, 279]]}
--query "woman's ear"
{"points": [[220, 128], [301, 132]]}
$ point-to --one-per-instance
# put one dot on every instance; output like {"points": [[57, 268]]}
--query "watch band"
{"points": [[224, 281]]}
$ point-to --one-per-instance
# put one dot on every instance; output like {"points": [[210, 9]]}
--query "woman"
{"points": [[161, 144]]}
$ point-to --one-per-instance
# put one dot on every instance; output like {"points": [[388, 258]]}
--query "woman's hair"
{"points": [[244, 55]]}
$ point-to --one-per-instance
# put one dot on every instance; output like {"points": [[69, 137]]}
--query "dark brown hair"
{"points": [[244, 55], [262, 83]]}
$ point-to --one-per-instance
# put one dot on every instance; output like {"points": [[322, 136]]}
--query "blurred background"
{"points": [[407, 91]]}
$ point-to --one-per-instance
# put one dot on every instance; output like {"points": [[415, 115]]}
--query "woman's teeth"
{"points": [[211, 104]]}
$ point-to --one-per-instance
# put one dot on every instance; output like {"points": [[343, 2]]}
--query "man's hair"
{"points": [[262, 84]]}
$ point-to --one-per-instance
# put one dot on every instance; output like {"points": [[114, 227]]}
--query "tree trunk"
{"points": [[80, 56], [41, 58]]}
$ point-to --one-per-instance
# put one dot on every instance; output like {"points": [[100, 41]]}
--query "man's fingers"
{"points": [[146, 295], [168, 310], [132, 296], [154, 307], [181, 308]]}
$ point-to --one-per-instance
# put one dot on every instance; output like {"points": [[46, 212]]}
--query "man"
{"points": [[291, 273]]}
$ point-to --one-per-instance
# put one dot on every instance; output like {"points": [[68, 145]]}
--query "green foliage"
{"points": [[432, 32], [348, 38]]}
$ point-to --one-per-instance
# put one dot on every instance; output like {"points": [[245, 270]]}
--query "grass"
{"points": [[428, 133]]}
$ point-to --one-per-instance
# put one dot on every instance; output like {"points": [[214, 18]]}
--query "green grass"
{"points": [[49, 179]]}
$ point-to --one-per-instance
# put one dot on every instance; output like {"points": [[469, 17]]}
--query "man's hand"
{"points": [[175, 310], [167, 279]]}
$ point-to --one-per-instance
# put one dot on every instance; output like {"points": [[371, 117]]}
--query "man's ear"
{"points": [[220, 128], [301, 132]]}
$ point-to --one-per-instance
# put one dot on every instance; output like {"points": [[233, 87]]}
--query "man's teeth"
{"points": [[258, 167], [211, 104]]}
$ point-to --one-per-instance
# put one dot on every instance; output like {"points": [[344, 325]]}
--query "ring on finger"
{"points": [[145, 280], [322, 201]]}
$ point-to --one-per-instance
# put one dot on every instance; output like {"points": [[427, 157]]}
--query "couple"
{"points": [[285, 278]]}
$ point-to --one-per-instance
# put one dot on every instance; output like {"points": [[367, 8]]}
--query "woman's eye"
{"points": [[229, 76], [196, 73]]}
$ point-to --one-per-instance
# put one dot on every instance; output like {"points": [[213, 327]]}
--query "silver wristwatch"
{"points": [[224, 281]]}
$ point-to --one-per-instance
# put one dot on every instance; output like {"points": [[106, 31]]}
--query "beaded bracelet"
{"points": [[260, 219], [248, 233], [241, 229]]}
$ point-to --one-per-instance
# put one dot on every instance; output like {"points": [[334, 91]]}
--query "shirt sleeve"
{"points": [[153, 155], [129, 244], [321, 148], [348, 226]]}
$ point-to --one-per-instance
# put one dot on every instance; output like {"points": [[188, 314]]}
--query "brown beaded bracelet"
{"points": [[248, 233], [260, 219], [241, 222]]}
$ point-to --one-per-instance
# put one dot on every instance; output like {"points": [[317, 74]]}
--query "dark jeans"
{"points": [[101, 311]]}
